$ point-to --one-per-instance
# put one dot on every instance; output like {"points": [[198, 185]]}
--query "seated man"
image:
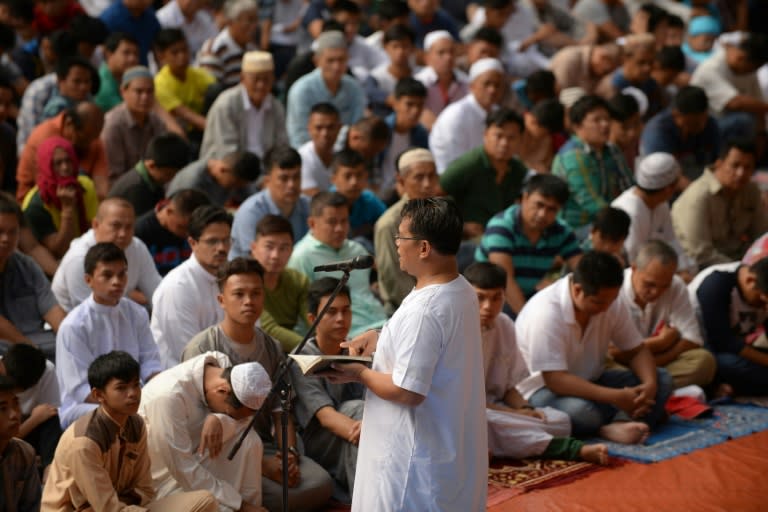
{"points": [[26, 300], [144, 185], [686, 131], [164, 230], [327, 242], [103, 462], [74, 75], [445, 84], [241, 297], [525, 239], [226, 181], [329, 415], [280, 195], [105, 321], [317, 153], [185, 302], [515, 428], [647, 205], [593, 167], [585, 66], [246, 117], [380, 84], [626, 125], [285, 289], [17, 463], [121, 52], [114, 223], [719, 215], [349, 178], [180, 407], [608, 233], [564, 333], [730, 301], [489, 178], [662, 312]]}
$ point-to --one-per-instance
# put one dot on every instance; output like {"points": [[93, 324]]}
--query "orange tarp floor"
{"points": [[732, 477]]}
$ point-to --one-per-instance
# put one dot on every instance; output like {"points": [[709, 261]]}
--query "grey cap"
{"points": [[333, 40]]}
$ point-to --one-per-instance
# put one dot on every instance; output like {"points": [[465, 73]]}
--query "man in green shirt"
{"points": [[121, 52]]}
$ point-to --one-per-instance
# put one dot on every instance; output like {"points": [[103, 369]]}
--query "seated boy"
{"points": [[515, 428], [323, 126], [626, 126], [609, 231], [350, 179], [105, 321], [17, 457], [226, 181], [380, 84], [102, 462], [329, 415]]}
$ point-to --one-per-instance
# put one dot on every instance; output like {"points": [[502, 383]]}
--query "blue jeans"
{"points": [[587, 416], [744, 376]]}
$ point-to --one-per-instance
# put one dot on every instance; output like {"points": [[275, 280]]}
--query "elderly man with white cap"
{"points": [[461, 125], [195, 412], [647, 205], [246, 117], [328, 83]]}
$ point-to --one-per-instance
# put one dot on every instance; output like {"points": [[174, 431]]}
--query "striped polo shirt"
{"points": [[221, 56]]}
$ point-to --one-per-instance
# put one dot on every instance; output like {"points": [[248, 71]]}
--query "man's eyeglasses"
{"points": [[398, 238], [213, 242]]}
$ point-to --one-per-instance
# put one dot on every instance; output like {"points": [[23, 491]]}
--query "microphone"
{"points": [[359, 262]]}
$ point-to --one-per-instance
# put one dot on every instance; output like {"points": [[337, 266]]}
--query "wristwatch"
{"points": [[295, 452]]}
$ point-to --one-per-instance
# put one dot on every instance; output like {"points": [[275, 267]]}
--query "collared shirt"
{"points": [[108, 96], [367, 311], [714, 226], [394, 283], [502, 361], [649, 224], [143, 27], [197, 30], [126, 140], [69, 284], [93, 329], [19, 479], [100, 465], [25, 294], [504, 234], [722, 84], [254, 118], [459, 128], [437, 98], [551, 339], [314, 173], [285, 309], [183, 305], [33, 102], [471, 181], [222, 57], [253, 210], [594, 179], [673, 309], [310, 90]]}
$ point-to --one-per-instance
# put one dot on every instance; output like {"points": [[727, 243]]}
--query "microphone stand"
{"points": [[282, 386]]}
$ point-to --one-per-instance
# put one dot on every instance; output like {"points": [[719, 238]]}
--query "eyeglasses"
{"points": [[398, 238], [213, 242]]}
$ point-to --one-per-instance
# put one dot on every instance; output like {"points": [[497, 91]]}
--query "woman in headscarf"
{"points": [[62, 204]]}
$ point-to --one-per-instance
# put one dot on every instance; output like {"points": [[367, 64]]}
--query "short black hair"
{"points": [[65, 65], [238, 266], [410, 87], [691, 100], [391, 9], [346, 6], [204, 216], [282, 157], [486, 275], [102, 252], [671, 57], [8, 205], [168, 150], [742, 144], [497, 4], [675, 21], [86, 29], [63, 43], [502, 116], [7, 37], [187, 200], [399, 32], [25, 364], [623, 107], [656, 15], [22, 9], [167, 37], [598, 270], [332, 25], [346, 158], [755, 45], [115, 38], [584, 105], [322, 288], [326, 199], [541, 82], [245, 165], [549, 186], [437, 220], [488, 35], [7, 384], [113, 365], [325, 108], [374, 128], [612, 223], [760, 269], [274, 225], [550, 114]]}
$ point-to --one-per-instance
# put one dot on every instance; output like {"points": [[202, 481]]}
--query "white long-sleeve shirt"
{"points": [[91, 330], [183, 305], [458, 128]]}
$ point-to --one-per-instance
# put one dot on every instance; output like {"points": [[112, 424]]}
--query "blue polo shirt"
{"points": [[144, 28], [441, 21]]}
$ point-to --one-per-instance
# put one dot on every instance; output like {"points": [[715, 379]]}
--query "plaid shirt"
{"points": [[595, 179], [32, 105], [19, 479]]}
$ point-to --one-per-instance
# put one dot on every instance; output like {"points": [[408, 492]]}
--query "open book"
{"points": [[310, 365]]}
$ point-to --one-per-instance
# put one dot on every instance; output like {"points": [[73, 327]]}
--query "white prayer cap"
{"points": [[483, 66], [330, 40], [640, 97], [571, 95], [257, 61], [657, 170], [414, 156], [434, 37], [250, 384]]}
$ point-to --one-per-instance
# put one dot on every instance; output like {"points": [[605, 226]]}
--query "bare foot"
{"points": [[723, 390], [594, 453], [625, 432]]}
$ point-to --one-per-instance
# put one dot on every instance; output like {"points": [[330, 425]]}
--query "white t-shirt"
{"points": [[722, 85], [432, 456], [45, 391], [314, 173], [400, 142]]}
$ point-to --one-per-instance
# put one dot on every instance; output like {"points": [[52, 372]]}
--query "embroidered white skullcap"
{"points": [[257, 61], [330, 40], [250, 384], [414, 156], [483, 66], [135, 72], [640, 97], [436, 36], [657, 170], [571, 95]]}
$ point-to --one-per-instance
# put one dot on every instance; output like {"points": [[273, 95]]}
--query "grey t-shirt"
{"points": [[25, 295]]}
